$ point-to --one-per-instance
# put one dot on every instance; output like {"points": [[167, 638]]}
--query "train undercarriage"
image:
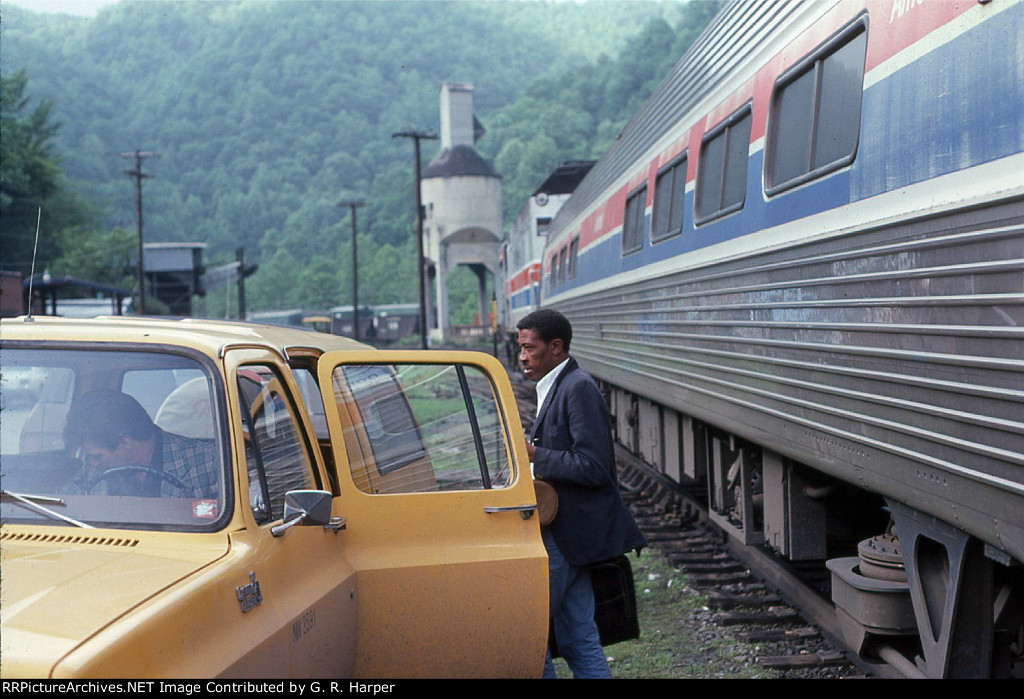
{"points": [[908, 588]]}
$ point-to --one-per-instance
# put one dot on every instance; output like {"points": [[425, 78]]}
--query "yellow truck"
{"points": [[186, 498]]}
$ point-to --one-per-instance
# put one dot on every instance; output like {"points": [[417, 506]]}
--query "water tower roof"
{"points": [[458, 161]]}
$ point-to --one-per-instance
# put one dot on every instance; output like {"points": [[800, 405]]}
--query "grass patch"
{"points": [[677, 639]]}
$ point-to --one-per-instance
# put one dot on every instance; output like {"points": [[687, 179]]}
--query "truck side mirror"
{"points": [[305, 507]]}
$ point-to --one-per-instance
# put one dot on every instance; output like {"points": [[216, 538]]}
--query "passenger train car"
{"points": [[521, 252], [799, 276]]}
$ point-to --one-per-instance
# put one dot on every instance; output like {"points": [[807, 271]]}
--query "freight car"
{"points": [[379, 325], [798, 273]]}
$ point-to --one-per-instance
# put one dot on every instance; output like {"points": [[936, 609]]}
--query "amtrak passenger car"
{"points": [[524, 245], [799, 275]]}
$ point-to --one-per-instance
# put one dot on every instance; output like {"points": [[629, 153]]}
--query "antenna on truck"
{"points": [[32, 273]]}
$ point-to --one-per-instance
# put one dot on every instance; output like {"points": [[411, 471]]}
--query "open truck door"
{"points": [[441, 514]]}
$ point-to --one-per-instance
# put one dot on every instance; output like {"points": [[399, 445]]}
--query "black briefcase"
{"points": [[615, 600], [614, 603]]}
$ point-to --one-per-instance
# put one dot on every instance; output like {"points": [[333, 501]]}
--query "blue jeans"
{"points": [[572, 608]]}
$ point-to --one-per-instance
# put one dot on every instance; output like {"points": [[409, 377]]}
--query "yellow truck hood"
{"points": [[58, 590]]}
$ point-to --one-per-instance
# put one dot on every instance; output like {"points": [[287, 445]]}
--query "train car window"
{"points": [[815, 112], [633, 221], [722, 169], [563, 265], [669, 194], [574, 250]]}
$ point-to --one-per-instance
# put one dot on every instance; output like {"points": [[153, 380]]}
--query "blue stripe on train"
{"points": [[908, 135]]}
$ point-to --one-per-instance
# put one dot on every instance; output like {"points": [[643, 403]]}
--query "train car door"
{"points": [[440, 511]]}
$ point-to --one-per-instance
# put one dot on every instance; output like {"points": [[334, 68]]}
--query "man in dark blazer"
{"points": [[571, 448]]}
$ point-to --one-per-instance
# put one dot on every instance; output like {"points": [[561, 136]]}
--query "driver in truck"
{"points": [[126, 453]]}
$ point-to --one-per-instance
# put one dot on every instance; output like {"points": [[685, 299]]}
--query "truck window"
{"points": [[277, 456], [428, 427], [67, 417]]}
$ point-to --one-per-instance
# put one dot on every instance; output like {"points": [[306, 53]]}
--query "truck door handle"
{"points": [[525, 511]]}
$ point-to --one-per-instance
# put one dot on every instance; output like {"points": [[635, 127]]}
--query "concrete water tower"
{"points": [[462, 208]]}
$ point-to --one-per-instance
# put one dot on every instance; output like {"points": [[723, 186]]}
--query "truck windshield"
{"points": [[99, 438]]}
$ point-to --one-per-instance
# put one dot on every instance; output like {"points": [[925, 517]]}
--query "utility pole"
{"points": [[353, 205], [138, 175], [240, 258], [417, 136]]}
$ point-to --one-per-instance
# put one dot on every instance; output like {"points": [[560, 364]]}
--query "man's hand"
{"points": [[530, 449]]}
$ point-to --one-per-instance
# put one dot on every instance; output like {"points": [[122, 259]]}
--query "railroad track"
{"points": [[742, 587], [779, 610]]}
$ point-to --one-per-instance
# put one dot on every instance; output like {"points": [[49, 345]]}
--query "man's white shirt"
{"points": [[546, 383], [544, 386]]}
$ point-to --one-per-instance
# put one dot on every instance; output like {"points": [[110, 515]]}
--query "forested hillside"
{"points": [[266, 114]]}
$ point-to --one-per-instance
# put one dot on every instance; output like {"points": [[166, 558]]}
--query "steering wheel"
{"points": [[163, 475]]}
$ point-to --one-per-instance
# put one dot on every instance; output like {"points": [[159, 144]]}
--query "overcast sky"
{"points": [[85, 8]]}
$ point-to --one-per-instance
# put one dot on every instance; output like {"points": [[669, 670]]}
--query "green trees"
{"points": [[33, 190], [267, 114], [575, 115], [29, 173]]}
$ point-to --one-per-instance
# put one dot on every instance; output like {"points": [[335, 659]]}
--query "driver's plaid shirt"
{"points": [[193, 461]]}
